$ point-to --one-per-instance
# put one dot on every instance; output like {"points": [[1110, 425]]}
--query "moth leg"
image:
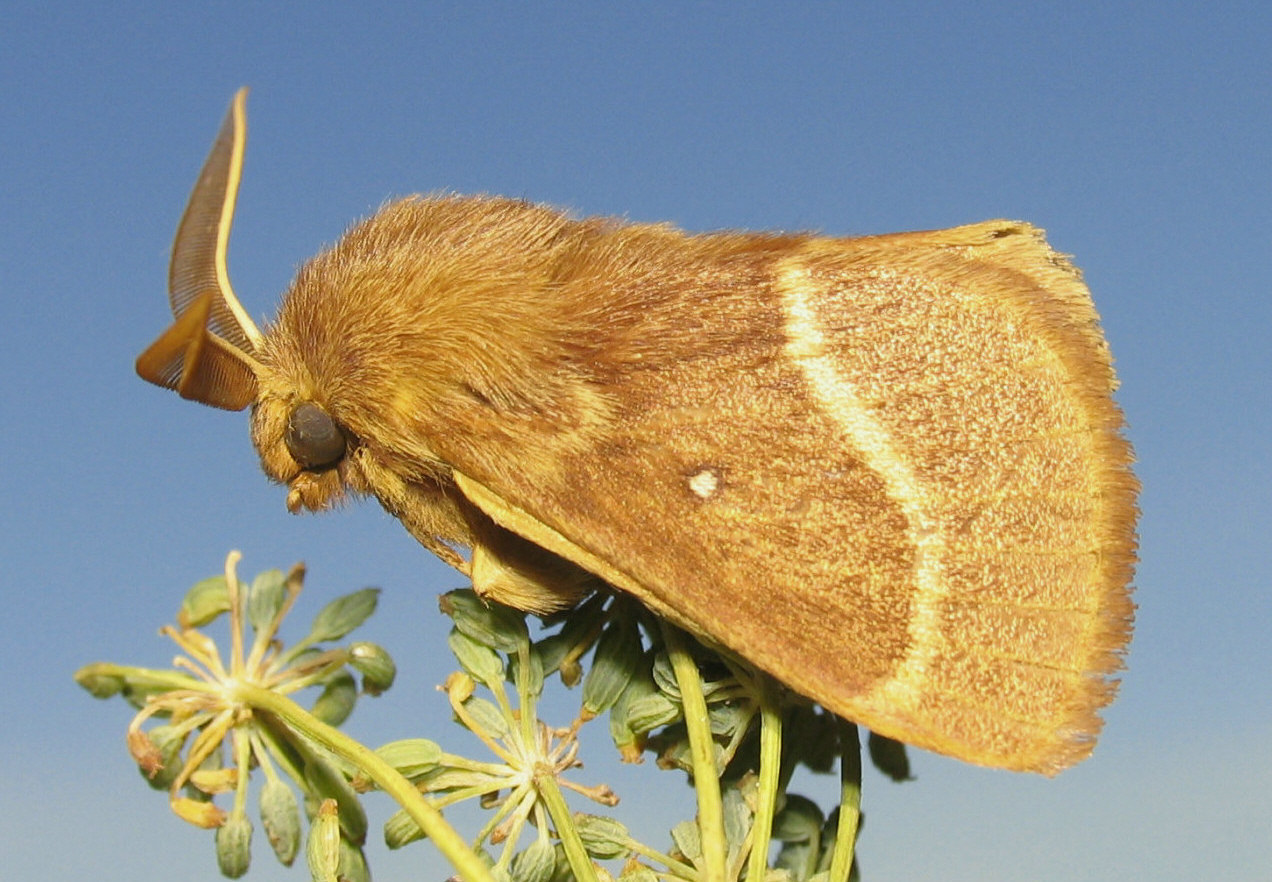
{"points": [[516, 572]]}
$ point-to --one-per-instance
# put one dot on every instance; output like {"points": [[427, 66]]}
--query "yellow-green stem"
{"points": [[849, 802], [429, 819], [581, 865], [770, 767], [706, 778]]}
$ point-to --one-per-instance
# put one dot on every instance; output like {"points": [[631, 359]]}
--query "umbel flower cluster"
{"points": [[223, 715]]}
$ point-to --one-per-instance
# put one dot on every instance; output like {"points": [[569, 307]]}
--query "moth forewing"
{"points": [[886, 470], [897, 484]]}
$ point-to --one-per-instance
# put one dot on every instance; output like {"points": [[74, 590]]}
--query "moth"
{"points": [[887, 470]]}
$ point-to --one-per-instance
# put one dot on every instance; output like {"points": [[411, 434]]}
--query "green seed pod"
{"points": [[489, 623], [536, 863], [619, 659], [603, 838], [234, 846], [167, 741], [322, 851], [412, 757], [98, 682], [336, 702], [376, 666], [487, 717], [800, 820], [353, 863], [688, 840], [280, 816], [400, 829]]}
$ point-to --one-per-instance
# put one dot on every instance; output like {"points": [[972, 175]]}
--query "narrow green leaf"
{"points": [[265, 598], [477, 658], [619, 659], [204, 602], [343, 614]]}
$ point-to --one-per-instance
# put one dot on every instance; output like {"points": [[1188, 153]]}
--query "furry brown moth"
{"points": [[887, 470]]}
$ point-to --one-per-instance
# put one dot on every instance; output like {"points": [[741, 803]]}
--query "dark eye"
{"points": [[313, 438]]}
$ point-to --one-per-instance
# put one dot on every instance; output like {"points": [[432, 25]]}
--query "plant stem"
{"points": [[706, 778], [429, 819], [849, 802], [770, 767], [582, 866]]}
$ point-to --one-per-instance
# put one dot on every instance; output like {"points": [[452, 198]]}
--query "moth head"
{"points": [[304, 446]]}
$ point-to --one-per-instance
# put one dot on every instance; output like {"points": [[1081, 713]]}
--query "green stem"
{"points": [[706, 779], [678, 869], [429, 819], [580, 864], [770, 768], [849, 802]]}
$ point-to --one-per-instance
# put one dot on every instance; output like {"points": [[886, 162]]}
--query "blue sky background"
{"points": [[1138, 134]]}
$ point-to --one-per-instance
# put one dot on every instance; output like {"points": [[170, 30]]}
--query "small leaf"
{"points": [[265, 598], [234, 846], [889, 757], [688, 840], [204, 602], [280, 816], [475, 657], [486, 716], [343, 614], [490, 624], [800, 820]]}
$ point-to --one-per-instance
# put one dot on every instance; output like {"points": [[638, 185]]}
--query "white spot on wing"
{"points": [[704, 483]]}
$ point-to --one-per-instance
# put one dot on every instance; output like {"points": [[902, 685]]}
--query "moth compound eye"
{"points": [[313, 438]]}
